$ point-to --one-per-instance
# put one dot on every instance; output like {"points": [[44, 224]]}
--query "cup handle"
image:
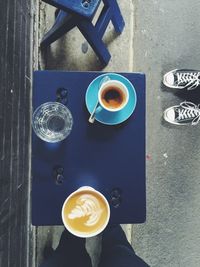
{"points": [[85, 187]]}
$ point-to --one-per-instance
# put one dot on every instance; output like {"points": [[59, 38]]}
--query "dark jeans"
{"points": [[116, 251]]}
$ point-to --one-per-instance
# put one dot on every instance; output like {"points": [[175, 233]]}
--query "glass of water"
{"points": [[52, 122]]}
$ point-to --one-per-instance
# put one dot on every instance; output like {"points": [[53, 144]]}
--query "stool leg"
{"points": [[64, 22], [117, 19], [91, 35]]}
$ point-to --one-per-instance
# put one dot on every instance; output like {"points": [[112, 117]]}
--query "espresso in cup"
{"points": [[113, 95], [85, 212]]}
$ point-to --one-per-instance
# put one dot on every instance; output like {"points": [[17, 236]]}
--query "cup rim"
{"points": [[111, 109], [78, 234]]}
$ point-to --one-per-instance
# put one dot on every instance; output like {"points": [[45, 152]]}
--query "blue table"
{"points": [[109, 158]]}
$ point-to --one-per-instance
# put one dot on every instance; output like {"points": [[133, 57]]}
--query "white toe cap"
{"points": [[169, 79], [169, 115]]}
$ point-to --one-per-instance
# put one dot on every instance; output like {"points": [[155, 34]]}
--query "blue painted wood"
{"points": [[105, 157], [75, 16], [64, 22], [103, 21], [85, 8], [117, 18], [91, 35]]}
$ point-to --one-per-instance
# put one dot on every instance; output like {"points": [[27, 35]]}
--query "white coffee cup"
{"points": [[85, 212], [113, 96]]}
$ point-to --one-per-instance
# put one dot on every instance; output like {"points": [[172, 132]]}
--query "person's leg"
{"points": [[70, 252], [116, 250]]}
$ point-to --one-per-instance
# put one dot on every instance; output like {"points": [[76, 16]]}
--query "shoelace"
{"points": [[189, 110], [190, 79]]}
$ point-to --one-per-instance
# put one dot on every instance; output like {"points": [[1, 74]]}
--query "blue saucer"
{"points": [[104, 116]]}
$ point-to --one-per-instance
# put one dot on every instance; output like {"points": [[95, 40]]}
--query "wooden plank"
{"points": [[15, 93]]}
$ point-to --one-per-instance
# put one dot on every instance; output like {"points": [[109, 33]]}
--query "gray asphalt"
{"points": [[167, 36]]}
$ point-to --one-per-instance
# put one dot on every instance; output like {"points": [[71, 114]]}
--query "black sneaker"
{"points": [[183, 114], [182, 79]]}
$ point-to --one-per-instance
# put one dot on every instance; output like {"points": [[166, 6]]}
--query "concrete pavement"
{"points": [[167, 37]]}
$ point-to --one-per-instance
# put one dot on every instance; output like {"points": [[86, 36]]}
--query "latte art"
{"points": [[85, 213], [87, 206]]}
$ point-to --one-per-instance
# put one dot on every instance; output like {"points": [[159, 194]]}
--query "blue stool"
{"points": [[80, 13]]}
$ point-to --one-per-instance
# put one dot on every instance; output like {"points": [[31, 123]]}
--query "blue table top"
{"points": [[109, 158]]}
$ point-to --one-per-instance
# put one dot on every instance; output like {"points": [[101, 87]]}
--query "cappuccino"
{"points": [[85, 213]]}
